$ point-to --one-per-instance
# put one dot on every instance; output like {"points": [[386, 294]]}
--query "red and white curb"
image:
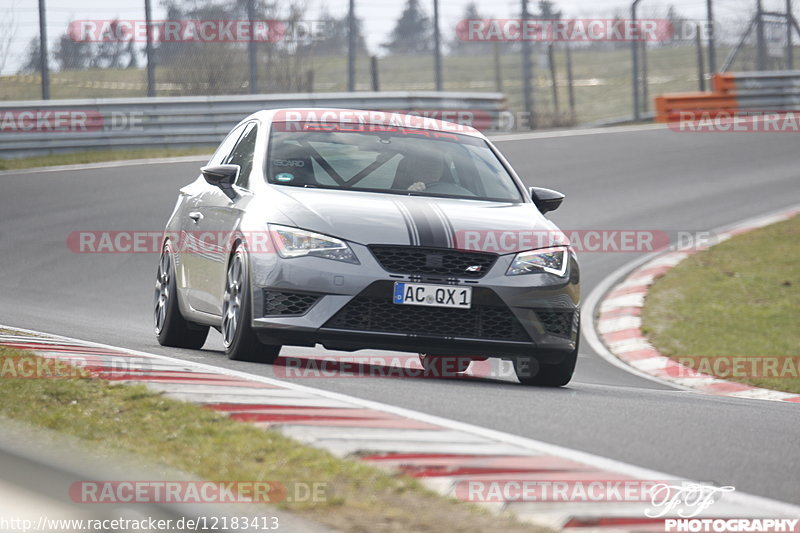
{"points": [[618, 322], [443, 454]]}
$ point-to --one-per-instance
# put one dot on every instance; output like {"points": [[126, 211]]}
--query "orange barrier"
{"points": [[669, 106], [777, 91], [724, 82]]}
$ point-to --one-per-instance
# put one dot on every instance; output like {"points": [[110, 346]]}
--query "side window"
{"points": [[242, 154], [226, 146]]}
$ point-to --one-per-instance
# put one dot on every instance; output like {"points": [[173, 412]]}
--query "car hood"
{"points": [[383, 218]]}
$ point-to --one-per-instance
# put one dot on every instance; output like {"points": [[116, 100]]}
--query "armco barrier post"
{"points": [[43, 54], [251, 48], [761, 41], [151, 66], [373, 67], [553, 82], [527, 73], [789, 33], [701, 75], [437, 46], [351, 47], [635, 66], [712, 53]]}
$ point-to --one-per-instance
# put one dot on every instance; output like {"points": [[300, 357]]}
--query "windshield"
{"points": [[406, 161]]}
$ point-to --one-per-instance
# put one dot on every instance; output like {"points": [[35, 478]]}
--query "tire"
{"points": [[532, 373], [443, 366], [170, 326], [240, 341]]}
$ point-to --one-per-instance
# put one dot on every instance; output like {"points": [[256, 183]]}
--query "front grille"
{"points": [[433, 261], [559, 323], [284, 303], [373, 310]]}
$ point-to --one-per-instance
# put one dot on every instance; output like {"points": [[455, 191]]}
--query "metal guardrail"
{"points": [[29, 128], [736, 91], [741, 82]]}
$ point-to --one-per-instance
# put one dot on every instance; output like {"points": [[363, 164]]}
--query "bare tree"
{"points": [[8, 31]]}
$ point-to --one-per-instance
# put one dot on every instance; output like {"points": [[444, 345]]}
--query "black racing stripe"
{"points": [[448, 225], [412, 238], [432, 231]]}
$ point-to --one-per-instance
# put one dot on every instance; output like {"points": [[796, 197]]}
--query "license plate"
{"points": [[432, 295]]}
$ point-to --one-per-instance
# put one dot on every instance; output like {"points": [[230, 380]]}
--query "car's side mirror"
{"points": [[222, 176], [546, 200]]}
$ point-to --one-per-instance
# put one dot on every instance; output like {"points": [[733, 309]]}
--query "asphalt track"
{"points": [[652, 179]]}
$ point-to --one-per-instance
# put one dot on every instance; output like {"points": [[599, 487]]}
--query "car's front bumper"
{"points": [[351, 308]]}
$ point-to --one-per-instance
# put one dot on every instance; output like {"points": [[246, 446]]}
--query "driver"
{"points": [[426, 168]]}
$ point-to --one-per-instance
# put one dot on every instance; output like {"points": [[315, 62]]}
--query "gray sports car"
{"points": [[359, 230]]}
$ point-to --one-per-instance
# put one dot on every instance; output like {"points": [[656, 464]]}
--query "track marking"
{"points": [[575, 132], [647, 367], [202, 158], [753, 504]]}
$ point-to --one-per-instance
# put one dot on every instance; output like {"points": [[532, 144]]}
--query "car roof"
{"points": [[372, 117]]}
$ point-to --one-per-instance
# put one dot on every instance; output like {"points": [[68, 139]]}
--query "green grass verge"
{"points": [[98, 156], [602, 78], [360, 498], [740, 298]]}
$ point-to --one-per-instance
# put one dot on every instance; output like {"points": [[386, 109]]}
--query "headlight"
{"points": [[552, 260], [294, 242]]}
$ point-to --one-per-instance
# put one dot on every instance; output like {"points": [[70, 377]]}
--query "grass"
{"points": [[96, 156], [738, 299], [359, 497], [602, 78], [602, 85]]}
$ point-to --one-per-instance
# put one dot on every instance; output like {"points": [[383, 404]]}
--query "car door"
{"points": [[217, 218], [194, 268]]}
